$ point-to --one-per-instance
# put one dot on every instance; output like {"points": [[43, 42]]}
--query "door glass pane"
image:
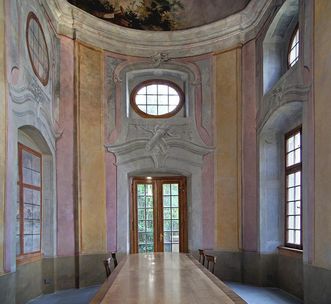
{"points": [[170, 198], [145, 218]]}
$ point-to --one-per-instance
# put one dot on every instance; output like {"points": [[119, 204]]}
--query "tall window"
{"points": [[293, 53], [293, 169], [28, 215]]}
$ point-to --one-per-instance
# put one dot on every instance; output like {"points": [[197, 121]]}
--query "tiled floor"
{"points": [[261, 295], [251, 294]]}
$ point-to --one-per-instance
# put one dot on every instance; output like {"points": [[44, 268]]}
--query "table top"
{"points": [[163, 278]]}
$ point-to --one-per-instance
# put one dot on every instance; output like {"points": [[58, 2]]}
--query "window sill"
{"points": [[291, 252], [29, 258]]}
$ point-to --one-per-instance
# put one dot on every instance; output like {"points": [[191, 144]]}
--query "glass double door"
{"points": [[158, 215]]}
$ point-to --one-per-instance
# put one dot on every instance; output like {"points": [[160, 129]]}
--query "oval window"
{"points": [[37, 48], [157, 99]]}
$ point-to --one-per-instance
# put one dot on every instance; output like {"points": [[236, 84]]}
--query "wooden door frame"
{"points": [[158, 212]]}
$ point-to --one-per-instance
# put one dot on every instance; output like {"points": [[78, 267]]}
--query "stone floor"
{"points": [[262, 295], [251, 294], [70, 296]]}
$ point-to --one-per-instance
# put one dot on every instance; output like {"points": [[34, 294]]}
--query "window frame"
{"points": [[29, 256], [287, 171], [290, 48], [32, 16], [160, 82]]}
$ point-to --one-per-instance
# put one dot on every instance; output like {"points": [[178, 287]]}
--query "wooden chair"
{"points": [[211, 261], [202, 256], [113, 255], [107, 263]]}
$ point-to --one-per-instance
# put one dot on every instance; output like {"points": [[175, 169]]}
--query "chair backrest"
{"points": [[106, 263], [113, 255], [211, 261], [202, 256]]}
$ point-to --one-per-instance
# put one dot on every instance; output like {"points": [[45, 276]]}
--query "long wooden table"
{"points": [[161, 278]]}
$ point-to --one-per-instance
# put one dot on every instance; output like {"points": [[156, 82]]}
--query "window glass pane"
{"points": [[166, 189], [36, 243], [149, 190], [142, 91], [174, 100], [174, 201], [298, 237], [298, 222], [290, 144], [297, 156], [290, 159], [163, 89], [152, 89], [298, 207], [298, 193], [152, 100], [172, 91], [290, 236], [163, 110], [166, 201], [27, 176], [298, 178], [163, 100], [297, 141], [167, 213], [290, 194], [290, 222], [290, 180], [141, 99], [149, 214], [290, 208], [28, 243], [142, 108], [141, 214]]}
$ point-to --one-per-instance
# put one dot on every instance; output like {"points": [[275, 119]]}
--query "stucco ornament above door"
{"points": [[161, 15]]}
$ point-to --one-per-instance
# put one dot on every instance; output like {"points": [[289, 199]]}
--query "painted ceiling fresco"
{"points": [[161, 15]]}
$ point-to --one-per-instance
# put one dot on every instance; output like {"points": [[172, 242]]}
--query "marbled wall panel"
{"points": [[3, 112], [322, 80], [65, 154], [228, 149], [92, 191]]}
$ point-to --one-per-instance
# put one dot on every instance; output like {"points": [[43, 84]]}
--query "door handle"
{"points": [[161, 237]]}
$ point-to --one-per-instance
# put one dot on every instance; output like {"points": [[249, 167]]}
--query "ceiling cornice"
{"points": [[223, 34]]}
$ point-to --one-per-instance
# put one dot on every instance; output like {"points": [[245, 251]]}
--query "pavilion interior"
{"points": [[74, 139]]}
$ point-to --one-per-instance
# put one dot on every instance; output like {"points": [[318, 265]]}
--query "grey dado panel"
{"points": [[317, 285], [28, 281], [259, 269], [290, 275], [7, 288]]}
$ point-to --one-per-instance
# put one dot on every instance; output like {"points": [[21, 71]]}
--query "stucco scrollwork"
{"points": [[160, 143], [30, 91]]}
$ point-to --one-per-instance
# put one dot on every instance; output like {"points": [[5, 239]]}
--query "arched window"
{"points": [[293, 52], [157, 99]]}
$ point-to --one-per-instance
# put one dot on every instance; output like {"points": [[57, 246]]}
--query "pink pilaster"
{"points": [[65, 153]]}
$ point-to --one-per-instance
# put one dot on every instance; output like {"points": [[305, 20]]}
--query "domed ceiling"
{"points": [[161, 15]]}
